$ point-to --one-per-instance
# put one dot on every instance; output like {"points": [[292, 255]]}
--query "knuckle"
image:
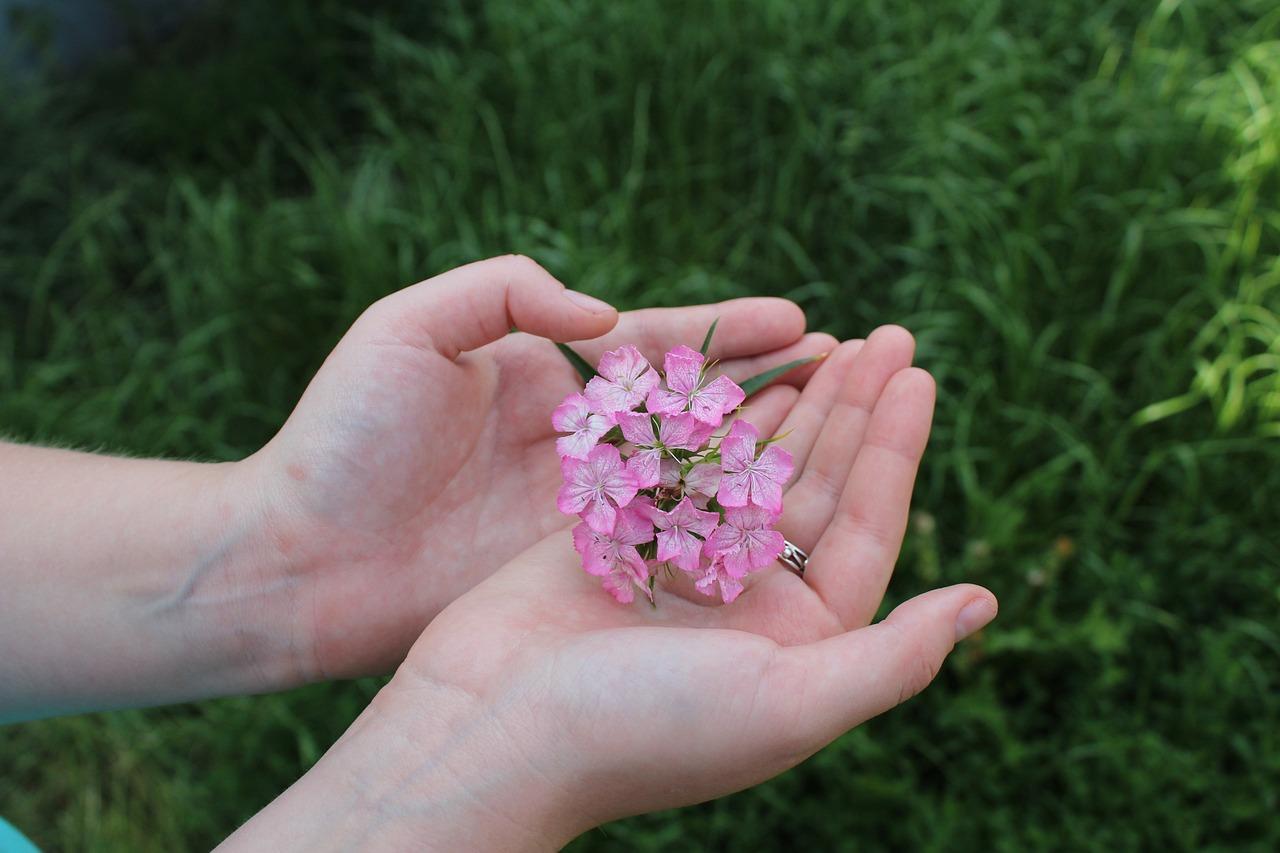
{"points": [[521, 265], [921, 669], [823, 482], [375, 315]]}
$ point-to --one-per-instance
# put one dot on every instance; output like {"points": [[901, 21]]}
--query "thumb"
{"points": [[862, 673], [476, 304]]}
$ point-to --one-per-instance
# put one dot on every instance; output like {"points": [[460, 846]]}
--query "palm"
{"points": [[433, 452], [415, 474], [705, 692]]}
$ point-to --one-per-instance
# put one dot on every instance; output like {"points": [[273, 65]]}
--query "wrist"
{"points": [[133, 582], [235, 597], [497, 777], [427, 766]]}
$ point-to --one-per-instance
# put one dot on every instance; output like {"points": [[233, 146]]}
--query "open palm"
{"points": [[642, 708], [421, 456]]}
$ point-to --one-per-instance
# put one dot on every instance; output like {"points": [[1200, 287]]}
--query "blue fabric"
{"points": [[12, 841]]}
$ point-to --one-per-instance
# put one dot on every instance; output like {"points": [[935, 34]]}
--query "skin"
{"points": [[422, 454], [420, 459], [536, 707]]}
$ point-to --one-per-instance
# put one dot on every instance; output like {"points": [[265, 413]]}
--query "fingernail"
{"points": [[974, 616], [588, 303]]}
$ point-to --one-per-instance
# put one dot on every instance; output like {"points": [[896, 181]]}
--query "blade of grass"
{"points": [[580, 364], [706, 342], [760, 380]]}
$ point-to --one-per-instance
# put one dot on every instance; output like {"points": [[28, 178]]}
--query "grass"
{"points": [[1075, 205]]}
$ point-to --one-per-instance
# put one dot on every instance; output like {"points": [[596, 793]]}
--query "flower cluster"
{"points": [[656, 486]]}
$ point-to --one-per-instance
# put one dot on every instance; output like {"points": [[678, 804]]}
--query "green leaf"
{"points": [[580, 364], [706, 342], [755, 383]]}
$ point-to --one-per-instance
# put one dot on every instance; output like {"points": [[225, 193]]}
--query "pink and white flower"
{"points": [[625, 380], [584, 426], [715, 573], [748, 479], [682, 531], [614, 557], [699, 483], [675, 432], [667, 492], [746, 541], [684, 369], [596, 487]]}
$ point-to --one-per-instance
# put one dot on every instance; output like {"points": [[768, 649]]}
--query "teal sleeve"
{"points": [[12, 841]]}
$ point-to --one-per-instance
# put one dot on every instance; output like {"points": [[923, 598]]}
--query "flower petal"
{"points": [[637, 428], [623, 364], [575, 491], [593, 548], [710, 404], [734, 490], [766, 493], [775, 463], [686, 515], [704, 478], [662, 401], [577, 445], [622, 487], [730, 588], [570, 414], [645, 467], [681, 548], [599, 515], [738, 448], [609, 398], [683, 367], [635, 524], [682, 431]]}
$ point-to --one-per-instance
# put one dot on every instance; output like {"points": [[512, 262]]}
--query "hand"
{"points": [[421, 457], [595, 710]]}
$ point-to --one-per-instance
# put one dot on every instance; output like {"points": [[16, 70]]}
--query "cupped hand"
{"points": [[623, 709], [421, 457]]}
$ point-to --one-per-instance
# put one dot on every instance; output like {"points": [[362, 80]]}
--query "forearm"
{"points": [[430, 769], [133, 582]]}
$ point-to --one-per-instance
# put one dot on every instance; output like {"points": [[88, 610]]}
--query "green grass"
{"points": [[1074, 204]]}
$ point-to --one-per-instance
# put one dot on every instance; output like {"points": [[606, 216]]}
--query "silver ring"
{"points": [[793, 557]]}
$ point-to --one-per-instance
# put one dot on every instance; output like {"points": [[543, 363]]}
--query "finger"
{"points": [[476, 304], [824, 467], [846, 680], [854, 558], [765, 411], [804, 422], [812, 344], [747, 327]]}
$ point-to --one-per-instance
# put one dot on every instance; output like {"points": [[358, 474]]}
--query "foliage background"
{"points": [[1075, 204]]}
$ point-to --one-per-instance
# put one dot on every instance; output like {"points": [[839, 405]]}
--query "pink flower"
{"points": [[585, 428], [745, 541], [625, 379], [730, 587], [675, 432], [614, 557], [748, 479], [685, 392], [669, 458], [595, 486], [681, 532], [699, 482]]}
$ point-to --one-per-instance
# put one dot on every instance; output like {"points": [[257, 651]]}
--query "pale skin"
{"points": [[420, 460]]}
